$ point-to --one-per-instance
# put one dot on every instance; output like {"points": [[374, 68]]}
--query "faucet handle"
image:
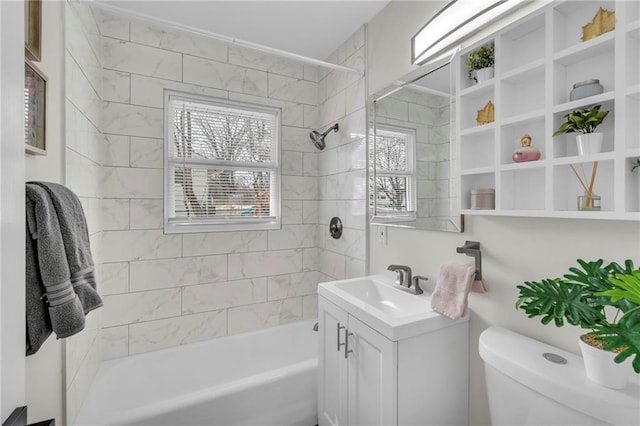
{"points": [[416, 283]]}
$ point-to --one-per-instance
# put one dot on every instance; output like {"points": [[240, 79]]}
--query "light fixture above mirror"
{"points": [[457, 21]]}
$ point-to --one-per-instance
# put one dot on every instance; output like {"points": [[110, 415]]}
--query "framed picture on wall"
{"points": [[35, 92], [32, 27]]}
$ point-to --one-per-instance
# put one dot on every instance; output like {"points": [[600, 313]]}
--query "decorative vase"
{"points": [[526, 152], [592, 203], [484, 74], [589, 143], [602, 369]]}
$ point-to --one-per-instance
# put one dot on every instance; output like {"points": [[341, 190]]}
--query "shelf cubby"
{"points": [[522, 92], [565, 145], [632, 185], [566, 73], [465, 81], [568, 19], [510, 135], [522, 189], [567, 188], [472, 102], [632, 127], [477, 150], [475, 181], [523, 44]]}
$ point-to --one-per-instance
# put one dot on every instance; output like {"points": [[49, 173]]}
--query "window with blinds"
{"points": [[392, 183], [222, 165]]}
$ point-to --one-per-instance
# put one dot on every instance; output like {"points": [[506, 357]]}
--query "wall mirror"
{"points": [[412, 151]]}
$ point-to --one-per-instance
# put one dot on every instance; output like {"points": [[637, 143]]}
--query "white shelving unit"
{"points": [[538, 59]]}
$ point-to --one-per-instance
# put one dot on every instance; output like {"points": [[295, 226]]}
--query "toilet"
{"points": [[532, 383]]}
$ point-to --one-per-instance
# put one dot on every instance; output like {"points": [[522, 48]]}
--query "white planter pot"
{"points": [[484, 74], [589, 143], [602, 369]]}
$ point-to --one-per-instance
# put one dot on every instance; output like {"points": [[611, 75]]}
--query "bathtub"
{"points": [[266, 377]]}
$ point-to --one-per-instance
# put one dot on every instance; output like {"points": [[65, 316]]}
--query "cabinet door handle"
{"points": [[347, 351], [339, 327]]}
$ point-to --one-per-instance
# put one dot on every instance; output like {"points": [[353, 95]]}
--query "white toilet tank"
{"points": [[525, 388]]}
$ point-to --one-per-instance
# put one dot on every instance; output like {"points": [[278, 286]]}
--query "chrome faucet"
{"points": [[404, 278]]}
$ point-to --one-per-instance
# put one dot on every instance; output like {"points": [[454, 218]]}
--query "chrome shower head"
{"points": [[318, 139]]}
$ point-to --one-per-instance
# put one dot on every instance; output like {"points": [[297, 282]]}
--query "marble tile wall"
{"points": [[342, 165], [83, 163], [167, 290]]}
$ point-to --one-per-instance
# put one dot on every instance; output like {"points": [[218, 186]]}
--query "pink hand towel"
{"points": [[452, 289]]}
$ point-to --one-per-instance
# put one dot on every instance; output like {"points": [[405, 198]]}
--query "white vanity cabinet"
{"points": [[366, 378], [358, 371]]}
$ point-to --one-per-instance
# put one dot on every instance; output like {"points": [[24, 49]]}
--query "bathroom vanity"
{"points": [[385, 358]]}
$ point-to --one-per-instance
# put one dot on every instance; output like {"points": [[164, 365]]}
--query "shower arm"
{"points": [[335, 127]]}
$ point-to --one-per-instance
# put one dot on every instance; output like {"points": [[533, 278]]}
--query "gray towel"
{"points": [[47, 266], [75, 238], [38, 322]]}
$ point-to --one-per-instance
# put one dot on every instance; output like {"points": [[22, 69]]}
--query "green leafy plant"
{"points": [[582, 121], [635, 166], [482, 57], [580, 299]]}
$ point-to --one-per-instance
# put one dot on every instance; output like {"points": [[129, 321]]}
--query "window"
{"points": [[394, 174], [222, 165]]}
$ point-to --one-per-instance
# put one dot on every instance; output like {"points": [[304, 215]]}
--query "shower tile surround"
{"points": [[167, 290]]}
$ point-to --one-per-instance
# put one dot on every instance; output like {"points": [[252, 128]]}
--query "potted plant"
{"points": [[480, 63], [584, 297], [636, 165], [585, 123]]}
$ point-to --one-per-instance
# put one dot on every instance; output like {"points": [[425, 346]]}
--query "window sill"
{"points": [[172, 227]]}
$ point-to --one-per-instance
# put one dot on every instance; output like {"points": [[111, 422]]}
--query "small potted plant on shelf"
{"points": [[584, 122], [480, 63], [583, 298], [635, 166]]}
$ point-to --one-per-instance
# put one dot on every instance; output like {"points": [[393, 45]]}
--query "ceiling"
{"points": [[310, 28]]}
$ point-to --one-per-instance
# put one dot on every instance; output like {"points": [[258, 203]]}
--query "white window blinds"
{"points": [[222, 168]]}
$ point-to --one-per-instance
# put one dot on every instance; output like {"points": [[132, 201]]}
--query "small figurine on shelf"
{"points": [[486, 115], [526, 152], [603, 22]]}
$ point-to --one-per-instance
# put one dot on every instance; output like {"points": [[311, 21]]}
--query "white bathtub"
{"points": [[266, 377]]}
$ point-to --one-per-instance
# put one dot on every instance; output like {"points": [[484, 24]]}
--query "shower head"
{"points": [[318, 139]]}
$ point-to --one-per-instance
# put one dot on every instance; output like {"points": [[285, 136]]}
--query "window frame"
{"points": [[224, 224], [410, 213]]}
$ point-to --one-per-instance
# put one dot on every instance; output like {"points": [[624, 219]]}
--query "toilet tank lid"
{"points": [[520, 358]]}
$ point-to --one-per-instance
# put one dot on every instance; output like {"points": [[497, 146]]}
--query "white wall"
{"points": [[514, 249], [12, 295], [50, 167], [389, 40], [44, 370]]}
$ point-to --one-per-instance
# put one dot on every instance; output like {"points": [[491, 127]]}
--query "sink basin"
{"points": [[391, 310], [393, 302]]}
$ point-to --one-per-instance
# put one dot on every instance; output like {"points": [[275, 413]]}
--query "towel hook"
{"points": [[472, 248]]}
